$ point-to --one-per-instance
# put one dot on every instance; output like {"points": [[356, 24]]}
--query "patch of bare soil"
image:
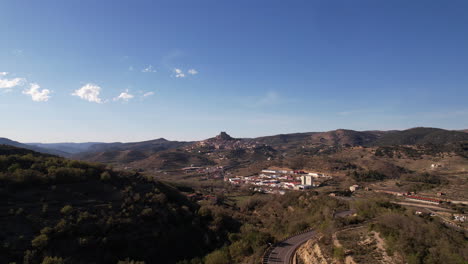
{"points": [[363, 246]]}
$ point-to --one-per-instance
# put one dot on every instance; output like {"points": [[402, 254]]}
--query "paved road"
{"points": [[283, 251], [434, 207]]}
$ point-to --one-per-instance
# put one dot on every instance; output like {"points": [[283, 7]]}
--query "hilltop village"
{"points": [[266, 181], [277, 181]]}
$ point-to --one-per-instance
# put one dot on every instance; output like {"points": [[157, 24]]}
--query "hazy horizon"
{"points": [[215, 134]]}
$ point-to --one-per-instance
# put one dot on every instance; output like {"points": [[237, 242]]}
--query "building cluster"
{"points": [[223, 142], [273, 180]]}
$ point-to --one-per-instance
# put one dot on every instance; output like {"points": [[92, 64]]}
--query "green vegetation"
{"points": [[368, 176], [416, 182], [374, 207], [67, 209], [40, 241], [62, 211], [421, 135], [421, 241], [22, 168], [417, 239], [267, 219], [53, 260], [338, 253], [128, 261], [424, 178]]}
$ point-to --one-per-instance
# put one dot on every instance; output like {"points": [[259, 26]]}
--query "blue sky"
{"points": [[75, 70]]}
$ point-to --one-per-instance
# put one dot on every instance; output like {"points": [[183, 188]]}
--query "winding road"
{"points": [[283, 251]]}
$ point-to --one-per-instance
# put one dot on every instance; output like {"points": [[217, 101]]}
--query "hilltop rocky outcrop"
{"points": [[224, 141]]}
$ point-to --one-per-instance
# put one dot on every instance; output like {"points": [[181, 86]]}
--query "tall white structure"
{"points": [[306, 179]]}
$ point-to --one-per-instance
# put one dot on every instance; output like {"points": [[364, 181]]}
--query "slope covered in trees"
{"points": [[421, 135], [77, 212]]}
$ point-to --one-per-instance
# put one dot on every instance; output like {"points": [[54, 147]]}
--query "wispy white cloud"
{"points": [[356, 112], [5, 91], [18, 52], [124, 96], [276, 119], [36, 94], [10, 83], [192, 71], [90, 92], [148, 94], [3, 73], [269, 99], [178, 73], [149, 69], [168, 60], [350, 112]]}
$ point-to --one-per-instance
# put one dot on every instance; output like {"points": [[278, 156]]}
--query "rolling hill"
{"points": [[127, 152], [339, 137], [72, 148], [164, 154], [420, 136], [150, 145]]}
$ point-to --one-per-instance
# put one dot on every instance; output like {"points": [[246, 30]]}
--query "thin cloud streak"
{"points": [[124, 96]]}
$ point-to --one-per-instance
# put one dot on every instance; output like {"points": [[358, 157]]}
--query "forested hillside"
{"points": [[77, 212], [421, 135]]}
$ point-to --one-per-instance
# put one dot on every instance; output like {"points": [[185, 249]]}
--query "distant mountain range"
{"points": [[164, 152], [70, 148], [9, 142], [127, 152]]}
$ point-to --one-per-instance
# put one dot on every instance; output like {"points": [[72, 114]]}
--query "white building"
{"points": [[459, 218], [306, 179], [353, 188]]}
